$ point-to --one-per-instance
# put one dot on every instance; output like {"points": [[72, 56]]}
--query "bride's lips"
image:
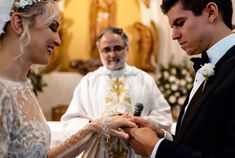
{"points": [[50, 49]]}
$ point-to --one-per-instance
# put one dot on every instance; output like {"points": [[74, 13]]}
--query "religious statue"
{"points": [[102, 15], [145, 43], [147, 3]]}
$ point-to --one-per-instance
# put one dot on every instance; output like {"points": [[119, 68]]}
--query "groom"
{"points": [[206, 125]]}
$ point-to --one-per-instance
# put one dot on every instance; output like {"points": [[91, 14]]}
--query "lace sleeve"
{"points": [[6, 119], [77, 142], [102, 127]]}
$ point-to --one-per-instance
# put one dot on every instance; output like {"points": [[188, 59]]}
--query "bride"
{"points": [[28, 35]]}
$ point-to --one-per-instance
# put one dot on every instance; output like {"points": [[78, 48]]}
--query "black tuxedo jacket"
{"points": [[208, 127]]}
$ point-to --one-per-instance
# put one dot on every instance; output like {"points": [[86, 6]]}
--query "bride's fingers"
{"points": [[121, 122], [125, 114], [119, 133]]}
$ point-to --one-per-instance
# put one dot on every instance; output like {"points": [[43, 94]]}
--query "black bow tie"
{"points": [[199, 62]]}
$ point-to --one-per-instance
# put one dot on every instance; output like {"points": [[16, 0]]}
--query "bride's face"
{"points": [[43, 40]]}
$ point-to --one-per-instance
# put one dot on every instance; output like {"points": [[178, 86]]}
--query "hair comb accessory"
{"points": [[8, 6], [23, 3]]}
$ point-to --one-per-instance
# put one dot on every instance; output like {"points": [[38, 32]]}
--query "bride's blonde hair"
{"points": [[49, 11]]}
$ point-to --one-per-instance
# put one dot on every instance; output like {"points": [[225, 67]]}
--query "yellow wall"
{"points": [[76, 32], [127, 12]]}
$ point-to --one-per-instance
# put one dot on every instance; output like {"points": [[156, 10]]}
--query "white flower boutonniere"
{"points": [[207, 70]]}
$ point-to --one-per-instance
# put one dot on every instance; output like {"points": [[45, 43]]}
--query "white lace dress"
{"points": [[24, 132]]}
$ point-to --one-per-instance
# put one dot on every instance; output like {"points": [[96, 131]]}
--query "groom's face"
{"points": [[192, 32]]}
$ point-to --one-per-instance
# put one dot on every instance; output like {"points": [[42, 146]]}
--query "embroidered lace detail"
{"points": [[104, 128], [116, 148], [24, 130], [117, 98]]}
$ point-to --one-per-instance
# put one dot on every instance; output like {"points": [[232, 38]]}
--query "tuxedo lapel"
{"points": [[189, 115], [181, 114], [222, 68]]}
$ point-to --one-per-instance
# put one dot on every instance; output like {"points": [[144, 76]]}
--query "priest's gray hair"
{"points": [[114, 30]]}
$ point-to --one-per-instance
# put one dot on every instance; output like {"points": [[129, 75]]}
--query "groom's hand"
{"points": [[142, 140], [141, 122]]}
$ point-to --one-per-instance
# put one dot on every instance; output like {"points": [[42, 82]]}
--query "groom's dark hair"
{"points": [[196, 6]]}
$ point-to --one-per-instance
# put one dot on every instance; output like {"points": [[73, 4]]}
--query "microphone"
{"points": [[138, 109]]}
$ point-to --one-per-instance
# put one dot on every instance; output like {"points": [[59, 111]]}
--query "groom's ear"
{"points": [[16, 23], [212, 11]]}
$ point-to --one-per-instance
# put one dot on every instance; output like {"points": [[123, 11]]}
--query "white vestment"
{"points": [[104, 92]]}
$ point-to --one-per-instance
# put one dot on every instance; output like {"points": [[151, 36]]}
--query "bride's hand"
{"points": [[113, 125], [117, 123]]}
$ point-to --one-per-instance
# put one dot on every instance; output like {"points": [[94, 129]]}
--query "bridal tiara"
{"points": [[23, 3], [6, 7]]}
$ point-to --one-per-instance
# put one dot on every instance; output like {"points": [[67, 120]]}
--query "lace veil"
{"points": [[5, 9]]}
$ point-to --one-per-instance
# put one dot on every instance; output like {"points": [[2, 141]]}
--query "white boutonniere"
{"points": [[207, 70]]}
